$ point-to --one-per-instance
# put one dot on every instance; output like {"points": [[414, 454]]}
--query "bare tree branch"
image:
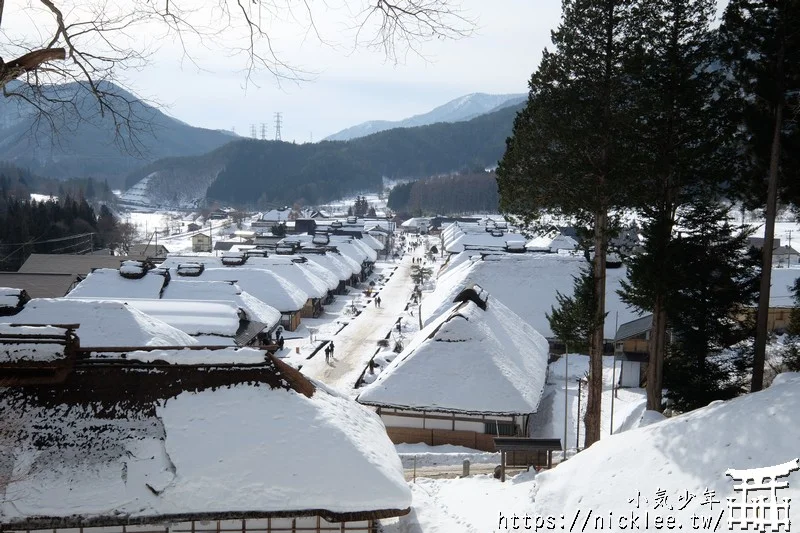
{"points": [[83, 44]]}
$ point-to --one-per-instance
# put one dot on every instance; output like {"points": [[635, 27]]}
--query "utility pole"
{"points": [[277, 125]]}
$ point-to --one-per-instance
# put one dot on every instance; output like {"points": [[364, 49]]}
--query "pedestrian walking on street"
{"points": [[328, 353], [378, 300], [332, 350]]}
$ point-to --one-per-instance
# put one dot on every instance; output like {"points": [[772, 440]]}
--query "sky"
{"points": [[346, 83], [349, 84]]}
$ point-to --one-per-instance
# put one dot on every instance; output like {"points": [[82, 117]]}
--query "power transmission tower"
{"points": [[253, 131], [278, 126], [263, 131]]}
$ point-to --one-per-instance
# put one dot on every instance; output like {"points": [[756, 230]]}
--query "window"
{"points": [[500, 429]]}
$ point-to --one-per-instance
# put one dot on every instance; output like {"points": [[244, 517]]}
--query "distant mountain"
{"points": [[461, 109], [257, 173], [85, 143]]}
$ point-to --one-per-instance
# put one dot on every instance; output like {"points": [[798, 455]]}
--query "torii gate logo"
{"points": [[762, 513]]}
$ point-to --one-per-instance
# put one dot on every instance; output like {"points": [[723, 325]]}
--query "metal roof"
{"points": [[634, 327], [69, 263], [53, 285]]}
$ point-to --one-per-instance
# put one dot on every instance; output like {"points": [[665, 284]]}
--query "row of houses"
{"points": [[137, 398]]}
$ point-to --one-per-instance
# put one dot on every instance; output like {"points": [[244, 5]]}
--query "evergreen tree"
{"points": [[573, 320], [760, 47], [569, 154], [679, 142], [713, 279]]}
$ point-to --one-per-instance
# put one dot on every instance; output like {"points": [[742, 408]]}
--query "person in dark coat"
{"points": [[332, 348]]}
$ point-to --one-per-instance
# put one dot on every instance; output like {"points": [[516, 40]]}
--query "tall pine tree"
{"points": [[760, 47], [714, 279], [568, 155], [680, 141]]}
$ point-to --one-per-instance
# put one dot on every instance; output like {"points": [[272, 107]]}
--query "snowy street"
{"points": [[357, 343]]}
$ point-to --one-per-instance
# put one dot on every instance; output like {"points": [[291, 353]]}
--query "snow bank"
{"points": [[686, 457]]}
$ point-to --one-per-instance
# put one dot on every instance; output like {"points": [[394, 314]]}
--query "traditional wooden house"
{"points": [[145, 444], [201, 242], [476, 372]]}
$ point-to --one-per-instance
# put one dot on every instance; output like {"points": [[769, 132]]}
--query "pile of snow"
{"points": [[103, 323], [463, 351], [421, 455], [685, 459], [109, 284]]}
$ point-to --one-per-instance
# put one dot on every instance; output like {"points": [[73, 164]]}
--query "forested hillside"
{"points": [[253, 172], [447, 195]]}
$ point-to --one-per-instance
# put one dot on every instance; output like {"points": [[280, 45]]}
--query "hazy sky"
{"points": [[349, 85], [354, 86]]}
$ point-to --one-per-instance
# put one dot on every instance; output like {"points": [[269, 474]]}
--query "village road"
{"points": [[356, 344]]}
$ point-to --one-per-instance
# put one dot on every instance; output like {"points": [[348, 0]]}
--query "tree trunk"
{"points": [[769, 234], [595, 388], [658, 348]]}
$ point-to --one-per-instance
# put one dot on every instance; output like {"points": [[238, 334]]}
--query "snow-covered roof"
{"points": [[212, 452], [194, 317], [687, 457], [333, 263], [780, 294], [551, 242], [371, 241], [108, 283], [526, 283], [254, 308], [103, 323], [304, 279], [11, 297], [467, 360], [276, 215], [267, 286]]}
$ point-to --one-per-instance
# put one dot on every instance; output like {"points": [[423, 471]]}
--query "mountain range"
{"points": [[261, 174], [81, 142], [460, 109]]}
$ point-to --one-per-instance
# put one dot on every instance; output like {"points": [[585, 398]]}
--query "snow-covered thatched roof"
{"points": [[526, 283], [267, 286], [109, 283], [103, 323], [467, 360], [119, 445], [193, 317], [193, 289]]}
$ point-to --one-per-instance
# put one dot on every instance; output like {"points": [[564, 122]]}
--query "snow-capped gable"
{"points": [[372, 242], [103, 323], [304, 279], [333, 263], [194, 317], [108, 283], [467, 349]]}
